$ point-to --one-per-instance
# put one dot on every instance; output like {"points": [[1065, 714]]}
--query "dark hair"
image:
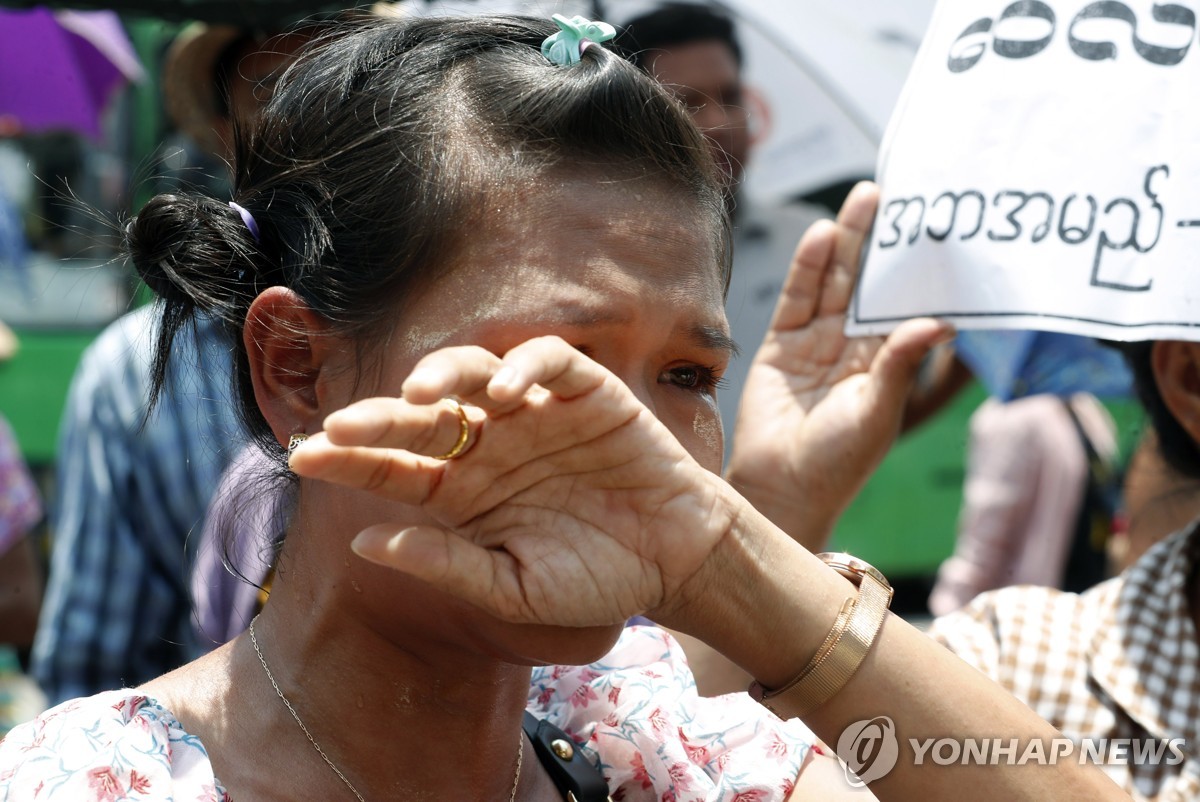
{"points": [[1177, 447], [676, 24], [384, 144], [225, 67]]}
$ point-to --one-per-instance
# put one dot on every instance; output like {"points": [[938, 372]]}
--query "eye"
{"points": [[693, 377]]}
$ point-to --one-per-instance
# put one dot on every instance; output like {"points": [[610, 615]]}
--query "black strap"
{"points": [[1095, 461], [1087, 559], [574, 776]]}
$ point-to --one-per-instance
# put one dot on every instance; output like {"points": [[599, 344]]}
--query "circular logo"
{"points": [[868, 749]]}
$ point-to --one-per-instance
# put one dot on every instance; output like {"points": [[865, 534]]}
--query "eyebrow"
{"points": [[710, 338], [714, 339]]}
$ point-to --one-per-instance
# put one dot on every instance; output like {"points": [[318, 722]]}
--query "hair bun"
{"points": [[196, 255], [191, 250]]}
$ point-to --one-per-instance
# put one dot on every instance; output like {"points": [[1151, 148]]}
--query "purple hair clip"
{"points": [[248, 219]]}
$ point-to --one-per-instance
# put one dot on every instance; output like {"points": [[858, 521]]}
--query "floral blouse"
{"points": [[635, 713], [111, 747]]}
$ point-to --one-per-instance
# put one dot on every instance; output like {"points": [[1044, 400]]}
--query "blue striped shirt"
{"points": [[129, 505]]}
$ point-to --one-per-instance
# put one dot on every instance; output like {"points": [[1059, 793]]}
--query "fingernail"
{"points": [[371, 544], [423, 377], [505, 377]]}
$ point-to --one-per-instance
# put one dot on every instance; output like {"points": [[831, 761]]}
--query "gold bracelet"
{"points": [[762, 695], [845, 647]]}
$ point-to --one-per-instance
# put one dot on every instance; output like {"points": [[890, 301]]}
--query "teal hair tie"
{"points": [[565, 47]]}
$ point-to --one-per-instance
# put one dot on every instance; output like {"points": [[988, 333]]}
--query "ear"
{"points": [[1176, 367], [289, 348]]}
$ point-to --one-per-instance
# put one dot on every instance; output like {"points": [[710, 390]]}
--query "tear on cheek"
{"points": [[708, 430]]}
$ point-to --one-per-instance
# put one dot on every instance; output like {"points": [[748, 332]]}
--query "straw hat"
{"points": [[189, 80], [189, 72]]}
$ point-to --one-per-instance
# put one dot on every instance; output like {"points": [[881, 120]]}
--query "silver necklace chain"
{"points": [[321, 752]]}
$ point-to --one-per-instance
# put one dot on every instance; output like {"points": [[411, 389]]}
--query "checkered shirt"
{"points": [[117, 608], [1118, 661]]}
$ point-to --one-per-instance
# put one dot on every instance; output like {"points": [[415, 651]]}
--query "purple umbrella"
{"points": [[58, 69]]}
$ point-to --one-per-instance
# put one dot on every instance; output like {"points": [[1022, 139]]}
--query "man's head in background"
{"points": [[216, 73], [694, 51]]}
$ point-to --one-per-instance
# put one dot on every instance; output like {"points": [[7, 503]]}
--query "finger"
{"points": [[390, 473], [858, 210], [802, 288], [550, 363], [426, 429], [897, 363], [483, 577], [854, 224], [463, 371]]}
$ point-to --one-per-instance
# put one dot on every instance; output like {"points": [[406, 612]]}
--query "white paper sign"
{"points": [[1042, 171]]}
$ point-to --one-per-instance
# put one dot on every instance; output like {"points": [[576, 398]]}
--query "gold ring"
{"points": [[464, 431]]}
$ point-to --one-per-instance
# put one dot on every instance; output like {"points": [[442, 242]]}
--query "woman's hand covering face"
{"points": [[572, 505], [584, 328]]}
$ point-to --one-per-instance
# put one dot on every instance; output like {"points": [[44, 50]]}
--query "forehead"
{"points": [[583, 250]]}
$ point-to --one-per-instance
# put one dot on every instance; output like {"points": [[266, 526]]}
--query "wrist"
{"points": [[761, 599], [798, 511]]}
